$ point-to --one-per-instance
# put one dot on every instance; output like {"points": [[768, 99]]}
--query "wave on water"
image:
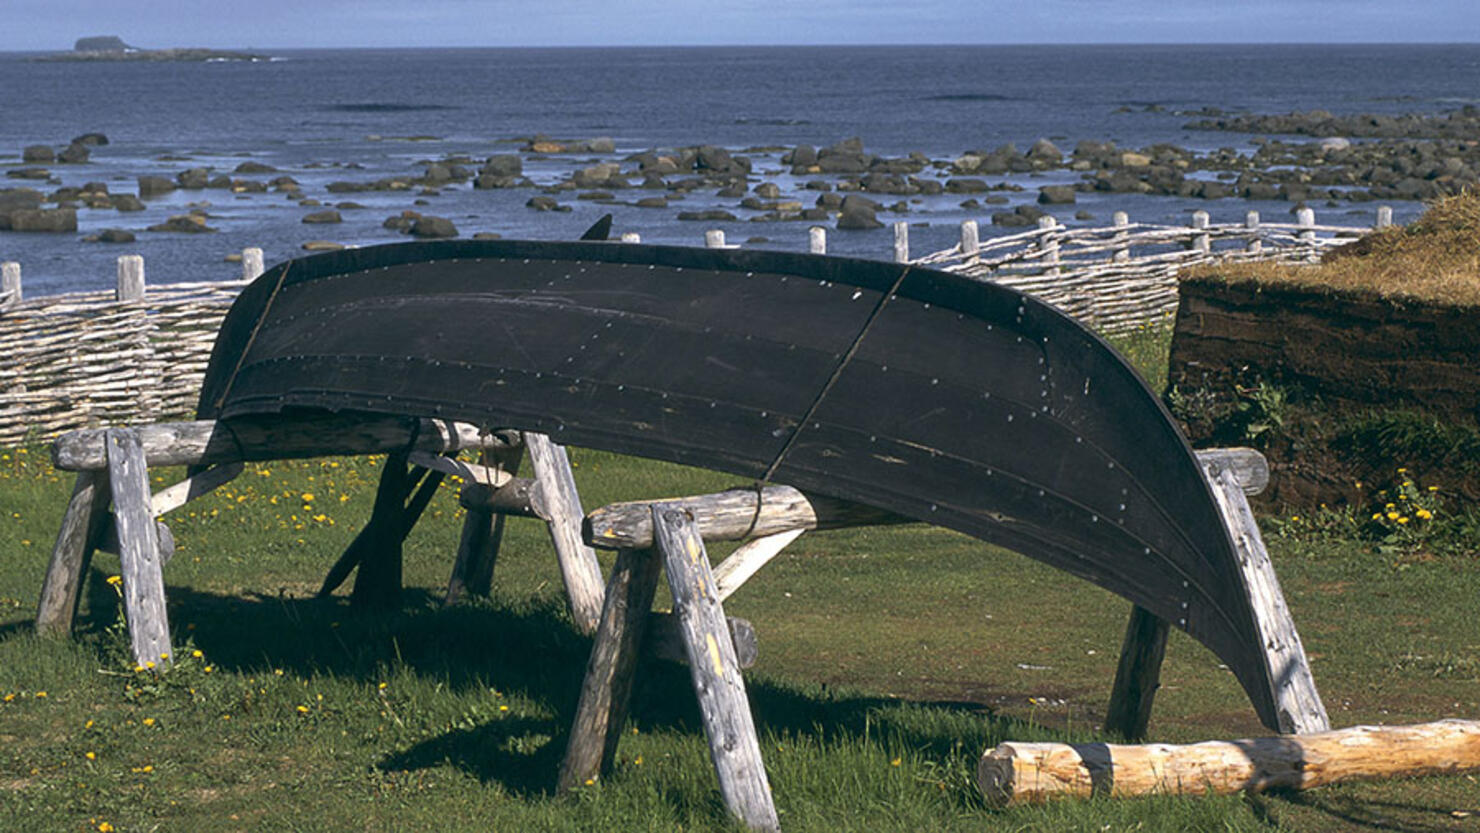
{"points": [[772, 122], [388, 107], [972, 97]]}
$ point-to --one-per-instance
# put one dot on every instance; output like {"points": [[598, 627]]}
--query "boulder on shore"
{"points": [[38, 154], [153, 186], [185, 223], [1056, 194], [74, 154]]}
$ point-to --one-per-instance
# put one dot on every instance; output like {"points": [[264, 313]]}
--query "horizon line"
{"points": [[772, 45]]}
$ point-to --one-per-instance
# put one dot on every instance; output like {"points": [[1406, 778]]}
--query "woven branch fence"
{"points": [[129, 355]]}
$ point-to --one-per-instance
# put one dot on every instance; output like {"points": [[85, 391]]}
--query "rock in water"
{"points": [[74, 154], [153, 186], [429, 226], [51, 220], [326, 216], [38, 154], [1056, 194]]}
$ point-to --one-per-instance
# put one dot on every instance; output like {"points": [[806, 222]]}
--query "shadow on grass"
{"points": [[523, 647], [1353, 812]]}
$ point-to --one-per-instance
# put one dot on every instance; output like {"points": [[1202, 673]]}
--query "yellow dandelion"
{"points": [[41, 694], [637, 761], [209, 668], [9, 697], [197, 653], [895, 762], [88, 724], [307, 497], [92, 756], [503, 708], [1424, 514], [105, 827], [116, 581], [303, 709], [590, 781], [1392, 516], [148, 721], [1403, 520]]}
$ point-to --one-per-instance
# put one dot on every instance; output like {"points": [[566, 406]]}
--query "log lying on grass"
{"points": [[1015, 773]]}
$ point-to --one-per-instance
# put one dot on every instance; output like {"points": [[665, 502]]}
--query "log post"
{"points": [[1049, 243], [1122, 252], [1384, 216], [631, 237], [817, 240], [251, 263], [378, 577], [748, 559], [665, 639], [81, 525], [1251, 224], [901, 242], [1202, 243], [607, 688], [1306, 218], [138, 548], [10, 282], [579, 568], [971, 244], [1138, 675], [734, 515], [130, 278], [723, 705], [1018, 773], [1297, 703], [482, 532]]}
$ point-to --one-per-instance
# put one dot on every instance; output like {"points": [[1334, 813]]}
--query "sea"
{"points": [[326, 115]]}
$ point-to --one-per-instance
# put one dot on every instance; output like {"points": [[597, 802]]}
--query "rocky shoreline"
{"points": [[843, 183], [112, 48]]}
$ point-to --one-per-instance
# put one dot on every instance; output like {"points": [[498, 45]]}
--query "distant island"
{"points": [[113, 48]]}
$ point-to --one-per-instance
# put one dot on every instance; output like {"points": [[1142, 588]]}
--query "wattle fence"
{"points": [[137, 354]]}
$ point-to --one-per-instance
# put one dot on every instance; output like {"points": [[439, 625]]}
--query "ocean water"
{"points": [[322, 116]]}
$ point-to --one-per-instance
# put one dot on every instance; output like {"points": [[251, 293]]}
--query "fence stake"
{"points": [[251, 263], [130, 278], [1255, 244], [714, 239], [10, 282], [631, 237], [971, 245], [1050, 244], [901, 242], [1202, 242], [817, 240], [1306, 217], [1122, 252], [1384, 216]]}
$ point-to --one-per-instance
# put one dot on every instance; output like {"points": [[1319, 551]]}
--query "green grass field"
{"points": [[891, 658]]}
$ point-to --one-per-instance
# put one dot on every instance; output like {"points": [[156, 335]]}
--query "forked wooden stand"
{"points": [[667, 536]]}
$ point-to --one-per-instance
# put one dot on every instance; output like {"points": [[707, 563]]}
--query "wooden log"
{"points": [[83, 520], [734, 515], [607, 687], [1015, 773], [172, 498], [1255, 246], [664, 639], [1122, 252], [579, 568], [10, 283], [1248, 466], [723, 705], [470, 472], [1138, 675], [138, 549], [279, 437], [520, 496], [971, 244], [107, 540], [251, 263], [746, 561], [378, 577], [130, 278], [1298, 706], [1202, 243], [483, 531]]}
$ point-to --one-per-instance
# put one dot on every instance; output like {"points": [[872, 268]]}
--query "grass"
{"points": [[1435, 259], [891, 658]]}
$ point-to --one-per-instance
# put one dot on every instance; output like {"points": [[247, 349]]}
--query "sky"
{"points": [[53, 25]]}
